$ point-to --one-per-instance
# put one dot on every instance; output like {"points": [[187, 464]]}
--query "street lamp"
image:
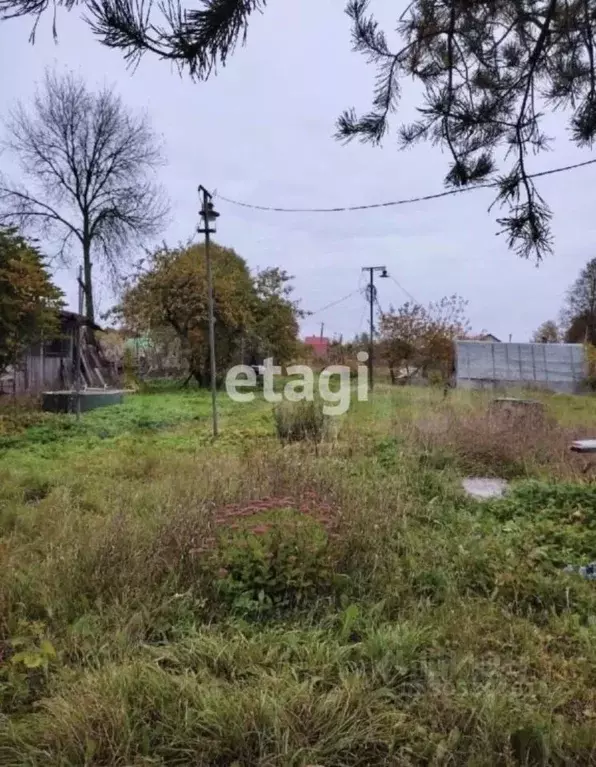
{"points": [[372, 294], [209, 216]]}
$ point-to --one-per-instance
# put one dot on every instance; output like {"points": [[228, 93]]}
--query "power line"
{"points": [[335, 303], [405, 201], [379, 307], [361, 319], [401, 287]]}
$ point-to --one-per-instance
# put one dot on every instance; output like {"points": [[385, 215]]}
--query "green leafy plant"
{"points": [[31, 649], [24, 663], [275, 566]]}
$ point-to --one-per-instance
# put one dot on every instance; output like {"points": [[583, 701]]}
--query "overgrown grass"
{"points": [[167, 600], [298, 421]]}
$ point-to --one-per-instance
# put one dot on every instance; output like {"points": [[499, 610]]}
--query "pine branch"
{"points": [[198, 40]]}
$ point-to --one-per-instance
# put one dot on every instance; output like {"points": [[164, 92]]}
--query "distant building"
{"points": [[488, 337], [319, 345], [490, 365]]}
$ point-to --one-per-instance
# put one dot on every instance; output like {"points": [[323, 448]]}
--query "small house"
{"points": [[488, 337], [319, 345]]}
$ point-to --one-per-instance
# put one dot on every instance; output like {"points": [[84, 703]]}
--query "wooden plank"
{"points": [[97, 365], [584, 446], [87, 368], [99, 375]]}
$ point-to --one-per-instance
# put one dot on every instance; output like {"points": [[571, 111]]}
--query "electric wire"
{"points": [[404, 201], [334, 303]]}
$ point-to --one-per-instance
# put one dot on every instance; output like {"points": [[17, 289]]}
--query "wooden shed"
{"points": [[50, 366]]}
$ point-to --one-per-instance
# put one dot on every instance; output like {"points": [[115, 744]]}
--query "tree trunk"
{"points": [[195, 369], [89, 308], [197, 374]]}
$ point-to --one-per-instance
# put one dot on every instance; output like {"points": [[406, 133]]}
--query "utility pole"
{"points": [[208, 214], [322, 328], [371, 292], [79, 340]]}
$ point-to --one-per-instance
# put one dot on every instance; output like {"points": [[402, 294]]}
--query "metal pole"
{"points": [[211, 316], [371, 299], [78, 336], [371, 288], [42, 353]]}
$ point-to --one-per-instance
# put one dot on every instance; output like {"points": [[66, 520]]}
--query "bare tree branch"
{"points": [[87, 166]]}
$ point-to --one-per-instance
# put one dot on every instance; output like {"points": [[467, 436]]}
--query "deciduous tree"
{"points": [[274, 330], [418, 339], [547, 333], [253, 314], [579, 312], [29, 301], [87, 165]]}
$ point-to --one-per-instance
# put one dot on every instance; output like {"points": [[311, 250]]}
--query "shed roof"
{"points": [[73, 317]]}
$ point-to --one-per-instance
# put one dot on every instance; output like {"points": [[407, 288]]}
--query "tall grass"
{"points": [[303, 420], [255, 603]]}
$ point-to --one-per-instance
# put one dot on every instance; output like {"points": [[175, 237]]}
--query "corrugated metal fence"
{"points": [[560, 367]]}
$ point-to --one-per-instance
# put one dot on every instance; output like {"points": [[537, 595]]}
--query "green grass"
{"points": [[168, 600]]}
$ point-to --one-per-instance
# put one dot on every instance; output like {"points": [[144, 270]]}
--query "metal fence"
{"points": [[558, 367]]}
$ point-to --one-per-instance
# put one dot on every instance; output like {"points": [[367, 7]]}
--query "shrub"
{"points": [[590, 381], [297, 421], [130, 369], [17, 414], [280, 564]]}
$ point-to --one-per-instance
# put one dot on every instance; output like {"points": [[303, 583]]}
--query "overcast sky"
{"points": [[262, 132]]}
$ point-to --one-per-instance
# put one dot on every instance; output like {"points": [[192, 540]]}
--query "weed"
{"points": [[283, 562], [24, 662], [304, 420]]}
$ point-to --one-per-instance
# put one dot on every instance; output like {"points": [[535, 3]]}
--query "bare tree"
{"points": [[579, 313], [88, 175]]}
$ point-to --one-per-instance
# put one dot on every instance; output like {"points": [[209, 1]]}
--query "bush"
{"points": [[281, 564], [590, 381], [297, 421]]}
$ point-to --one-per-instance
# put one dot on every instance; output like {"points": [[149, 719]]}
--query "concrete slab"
{"points": [[483, 488]]}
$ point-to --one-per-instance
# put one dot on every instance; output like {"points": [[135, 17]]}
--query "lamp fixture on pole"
{"points": [[209, 217], [371, 293]]}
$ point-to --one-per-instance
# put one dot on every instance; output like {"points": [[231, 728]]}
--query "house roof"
{"points": [[485, 337], [75, 317]]}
